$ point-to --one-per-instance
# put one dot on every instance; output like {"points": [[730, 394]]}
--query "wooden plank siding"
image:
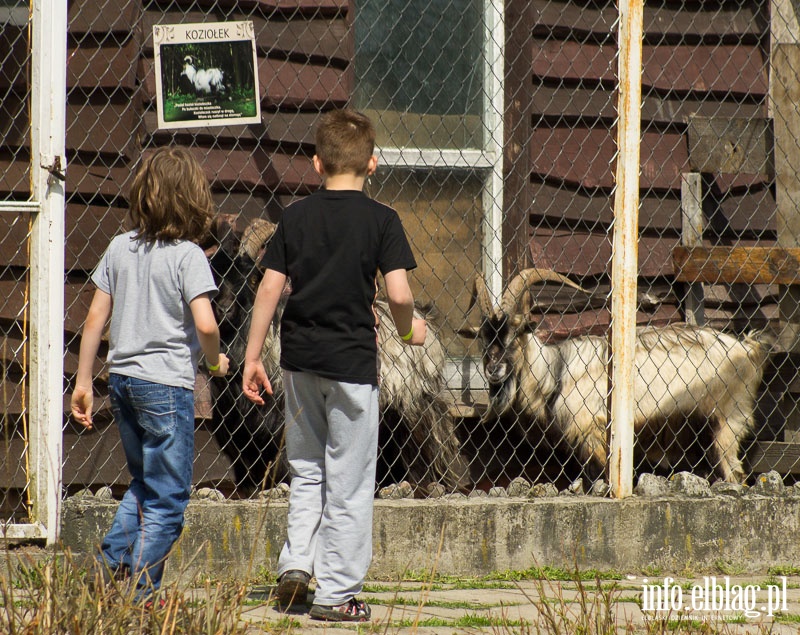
{"points": [[730, 69], [518, 142], [706, 59], [765, 265], [699, 59], [712, 21]]}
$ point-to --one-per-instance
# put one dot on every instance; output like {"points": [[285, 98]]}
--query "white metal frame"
{"points": [[494, 110], [46, 338], [488, 159]]}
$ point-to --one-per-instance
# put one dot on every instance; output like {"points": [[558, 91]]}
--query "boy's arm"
{"points": [[82, 397], [254, 376], [401, 305], [208, 333]]}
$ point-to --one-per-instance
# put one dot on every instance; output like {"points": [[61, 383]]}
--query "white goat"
{"points": [[205, 81], [681, 372], [418, 440]]}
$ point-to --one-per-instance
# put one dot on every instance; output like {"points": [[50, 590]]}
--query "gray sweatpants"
{"points": [[331, 445]]}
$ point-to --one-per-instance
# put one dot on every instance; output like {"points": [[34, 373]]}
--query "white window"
{"points": [[429, 74]]}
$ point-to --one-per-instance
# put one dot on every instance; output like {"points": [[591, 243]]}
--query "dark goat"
{"points": [[417, 438], [249, 435]]}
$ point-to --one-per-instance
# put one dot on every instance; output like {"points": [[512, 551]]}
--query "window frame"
{"points": [[487, 160]]}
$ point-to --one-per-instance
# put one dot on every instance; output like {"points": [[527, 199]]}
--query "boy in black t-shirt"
{"points": [[331, 245]]}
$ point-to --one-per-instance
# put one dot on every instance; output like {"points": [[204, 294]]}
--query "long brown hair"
{"points": [[170, 197]]}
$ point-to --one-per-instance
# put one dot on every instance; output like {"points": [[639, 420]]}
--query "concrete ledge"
{"points": [[473, 537]]}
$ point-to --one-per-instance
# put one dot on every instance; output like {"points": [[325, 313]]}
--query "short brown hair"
{"points": [[170, 197], [345, 142]]}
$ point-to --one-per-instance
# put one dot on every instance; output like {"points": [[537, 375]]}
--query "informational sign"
{"points": [[206, 74]]}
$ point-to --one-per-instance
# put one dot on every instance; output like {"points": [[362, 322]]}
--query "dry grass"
{"points": [[57, 595]]}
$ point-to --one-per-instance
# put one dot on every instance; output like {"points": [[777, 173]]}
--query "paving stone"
{"points": [[768, 484], [407, 608], [208, 493], [519, 487], [600, 488], [723, 488], [576, 487]]}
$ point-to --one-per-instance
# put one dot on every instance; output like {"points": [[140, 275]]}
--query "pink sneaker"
{"points": [[352, 611]]}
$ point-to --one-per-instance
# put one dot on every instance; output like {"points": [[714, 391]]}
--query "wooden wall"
{"points": [[707, 59]]}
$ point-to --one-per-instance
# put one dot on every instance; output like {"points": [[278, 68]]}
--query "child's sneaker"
{"points": [[100, 575], [293, 587], [352, 611], [158, 604]]}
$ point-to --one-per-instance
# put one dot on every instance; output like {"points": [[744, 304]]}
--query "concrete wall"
{"points": [[473, 537]]}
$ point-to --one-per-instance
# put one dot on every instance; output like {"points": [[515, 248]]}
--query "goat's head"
{"points": [[500, 330], [236, 272]]}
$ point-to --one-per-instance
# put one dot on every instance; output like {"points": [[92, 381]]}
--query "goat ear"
{"points": [[469, 332]]}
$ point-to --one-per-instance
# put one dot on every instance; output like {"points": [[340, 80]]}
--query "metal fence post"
{"points": [[48, 165], [625, 247]]}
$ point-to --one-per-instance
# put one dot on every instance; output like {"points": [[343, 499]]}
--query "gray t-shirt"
{"points": [[153, 336]]}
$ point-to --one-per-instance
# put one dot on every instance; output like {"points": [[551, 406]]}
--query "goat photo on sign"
{"points": [[203, 79]]}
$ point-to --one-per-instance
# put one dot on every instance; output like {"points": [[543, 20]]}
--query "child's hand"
{"points": [[223, 367], [82, 402], [254, 378], [420, 329]]}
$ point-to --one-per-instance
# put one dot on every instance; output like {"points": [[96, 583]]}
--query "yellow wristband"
{"points": [[213, 369], [408, 335]]}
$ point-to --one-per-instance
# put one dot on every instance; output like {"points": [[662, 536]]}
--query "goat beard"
{"points": [[501, 397]]}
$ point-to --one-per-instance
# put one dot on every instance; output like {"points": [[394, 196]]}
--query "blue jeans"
{"points": [[156, 424]]}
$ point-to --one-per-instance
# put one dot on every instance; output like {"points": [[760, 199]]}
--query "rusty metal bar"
{"points": [[625, 248]]}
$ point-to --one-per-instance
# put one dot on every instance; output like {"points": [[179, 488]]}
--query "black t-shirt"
{"points": [[331, 245]]}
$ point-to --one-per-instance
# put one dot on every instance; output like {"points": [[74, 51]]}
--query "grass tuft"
{"points": [[57, 595]]}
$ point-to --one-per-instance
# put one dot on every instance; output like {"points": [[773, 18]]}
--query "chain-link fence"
{"points": [[14, 245], [497, 145]]}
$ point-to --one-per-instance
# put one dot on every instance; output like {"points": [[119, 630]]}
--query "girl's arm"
{"points": [[82, 398], [208, 333]]}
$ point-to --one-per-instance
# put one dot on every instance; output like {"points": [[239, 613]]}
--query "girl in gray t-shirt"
{"points": [[155, 284]]}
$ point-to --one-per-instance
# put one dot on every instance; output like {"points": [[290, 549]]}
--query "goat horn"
{"points": [[255, 235], [480, 293], [522, 282]]}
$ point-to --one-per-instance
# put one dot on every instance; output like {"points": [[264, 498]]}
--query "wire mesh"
{"points": [[712, 105], [14, 267]]}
